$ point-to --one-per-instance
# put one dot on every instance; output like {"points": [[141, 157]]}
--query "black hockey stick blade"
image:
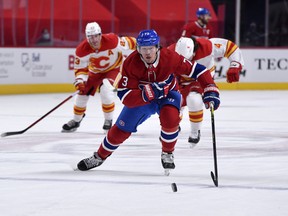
{"points": [[214, 178], [12, 133]]}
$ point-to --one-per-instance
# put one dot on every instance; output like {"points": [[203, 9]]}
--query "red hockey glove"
{"points": [[233, 72], [79, 84], [155, 91], [211, 94]]}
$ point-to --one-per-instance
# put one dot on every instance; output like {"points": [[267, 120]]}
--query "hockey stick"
{"points": [[34, 123], [214, 175], [112, 87], [108, 85]]}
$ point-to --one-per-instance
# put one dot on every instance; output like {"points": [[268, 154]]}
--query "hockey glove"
{"points": [[233, 72], [155, 91], [211, 94], [79, 84]]}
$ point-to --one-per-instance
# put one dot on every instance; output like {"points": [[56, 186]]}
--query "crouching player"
{"points": [[148, 86], [204, 51]]}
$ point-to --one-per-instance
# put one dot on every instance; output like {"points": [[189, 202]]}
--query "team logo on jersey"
{"points": [[77, 61], [218, 45], [110, 52], [122, 123], [100, 62]]}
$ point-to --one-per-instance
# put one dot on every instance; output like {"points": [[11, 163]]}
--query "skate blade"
{"points": [[192, 145], [105, 131], [69, 131], [73, 166], [167, 172]]}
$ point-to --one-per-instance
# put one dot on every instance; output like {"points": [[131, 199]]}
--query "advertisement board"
{"points": [[260, 66], [36, 65], [51, 69]]}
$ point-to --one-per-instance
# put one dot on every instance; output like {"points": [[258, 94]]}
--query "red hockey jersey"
{"points": [[193, 29], [136, 72]]}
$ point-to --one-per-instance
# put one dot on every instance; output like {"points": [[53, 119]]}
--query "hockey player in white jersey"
{"points": [[97, 57], [204, 51]]}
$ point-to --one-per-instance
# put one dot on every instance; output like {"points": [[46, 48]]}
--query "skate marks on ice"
{"points": [[64, 150], [160, 181], [125, 168], [36, 175]]}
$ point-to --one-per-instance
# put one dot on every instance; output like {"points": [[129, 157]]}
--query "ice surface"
{"points": [[37, 176]]}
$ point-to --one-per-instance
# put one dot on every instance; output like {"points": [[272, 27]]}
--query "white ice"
{"points": [[37, 176]]}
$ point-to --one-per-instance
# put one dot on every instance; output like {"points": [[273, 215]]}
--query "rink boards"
{"points": [[48, 70]]}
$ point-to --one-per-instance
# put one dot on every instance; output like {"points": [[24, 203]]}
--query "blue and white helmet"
{"points": [[202, 11], [148, 38]]}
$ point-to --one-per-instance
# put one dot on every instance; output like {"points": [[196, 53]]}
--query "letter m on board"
{"points": [[35, 57]]}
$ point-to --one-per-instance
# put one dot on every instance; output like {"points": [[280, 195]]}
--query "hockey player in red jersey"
{"points": [[148, 86], [204, 51], [200, 27], [97, 57]]}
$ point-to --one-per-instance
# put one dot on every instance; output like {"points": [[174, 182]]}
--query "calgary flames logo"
{"points": [[98, 63]]}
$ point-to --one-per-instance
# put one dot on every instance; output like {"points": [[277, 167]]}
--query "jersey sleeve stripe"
{"points": [[231, 47]]}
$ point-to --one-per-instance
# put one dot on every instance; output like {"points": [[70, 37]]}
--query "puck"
{"points": [[174, 187]]}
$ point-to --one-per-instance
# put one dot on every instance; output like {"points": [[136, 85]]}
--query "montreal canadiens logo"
{"points": [[122, 123]]}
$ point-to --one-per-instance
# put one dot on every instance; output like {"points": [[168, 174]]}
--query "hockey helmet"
{"points": [[185, 47], [148, 38], [92, 28], [202, 11]]}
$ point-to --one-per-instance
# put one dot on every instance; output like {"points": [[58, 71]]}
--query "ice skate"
{"points": [[90, 162], [107, 124], [167, 160], [194, 138], [71, 126]]}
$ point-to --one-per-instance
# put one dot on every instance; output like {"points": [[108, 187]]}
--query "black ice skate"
{"points": [[107, 124], [194, 139], [90, 162], [71, 126], [167, 160]]}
